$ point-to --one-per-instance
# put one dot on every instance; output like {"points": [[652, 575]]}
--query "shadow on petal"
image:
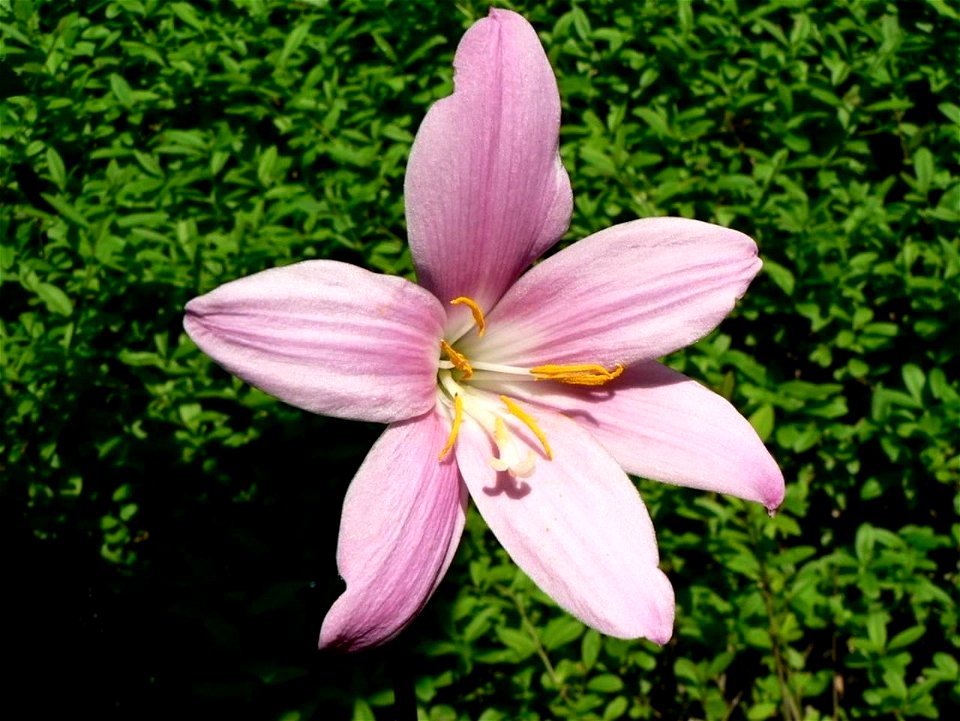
{"points": [[509, 486]]}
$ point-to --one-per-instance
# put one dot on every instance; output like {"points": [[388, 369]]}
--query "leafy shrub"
{"points": [[172, 531]]}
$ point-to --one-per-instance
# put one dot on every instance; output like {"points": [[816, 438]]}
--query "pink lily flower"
{"points": [[532, 393]]}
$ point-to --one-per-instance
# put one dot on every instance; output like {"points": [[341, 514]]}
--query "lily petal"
{"points": [[486, 192], [402, 519], [327, 337], [659, 424], [636, 291], [577, 527]]}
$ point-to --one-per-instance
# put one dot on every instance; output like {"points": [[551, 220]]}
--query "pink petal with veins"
{"points": [[577, 527], [401, 523], [633, 292], [659, 424], [327, 337], [486, 193]]}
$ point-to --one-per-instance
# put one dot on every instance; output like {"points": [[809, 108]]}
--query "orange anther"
{"points": [[455, 428], [474, 309], [529, 422], [586, 374], [458, 359]]}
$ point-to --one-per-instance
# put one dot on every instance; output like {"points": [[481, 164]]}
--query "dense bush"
{"points": [[166, 550]]}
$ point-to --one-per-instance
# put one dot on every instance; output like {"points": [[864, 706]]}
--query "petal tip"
{"points": [[192, 309], [771, 486], [502, 14], [332, 643], [662, 636], [661, 630], [328, 639], [773, 496], [342, 634], [654, 621], [192, 321]]}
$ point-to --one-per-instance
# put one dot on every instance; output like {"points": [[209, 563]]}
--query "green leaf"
{"points": [[656, 121], [864, 543], [762, 421], [877, 629], [561, 631], [121, 90], [480, 623], [906, 638], [362, 711], [149, 163], [517, 641], [616, 708], [266, 168], [947, 665], [22, 9], [951, 111], [65, 210], [293, 42], [914, 380], [780, 275], [492, 714], [687, 671], [186, 12], [605, 683], [763, 710], [923, 167], [894, 681], [58, 173], [55, 299], [590, 648]]}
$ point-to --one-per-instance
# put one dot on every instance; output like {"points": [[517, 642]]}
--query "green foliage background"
{"points": [[165, 550]]}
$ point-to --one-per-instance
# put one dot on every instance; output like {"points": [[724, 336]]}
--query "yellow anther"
{"points": [[458, 359], [474, 309], [455, 428], [586, 374], [528, 421]]}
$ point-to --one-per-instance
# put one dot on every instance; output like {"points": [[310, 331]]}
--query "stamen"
{"points": [[459, 360], [577, 375], [455, 428], [530, 423], [475, 310]]}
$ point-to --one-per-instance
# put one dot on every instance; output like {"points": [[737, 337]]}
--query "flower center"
{"points": [[459, 397], [513, 454]]}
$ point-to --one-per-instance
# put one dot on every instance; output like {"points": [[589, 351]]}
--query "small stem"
{"points": [[790, 707], [732, 707], [532, 632]]}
